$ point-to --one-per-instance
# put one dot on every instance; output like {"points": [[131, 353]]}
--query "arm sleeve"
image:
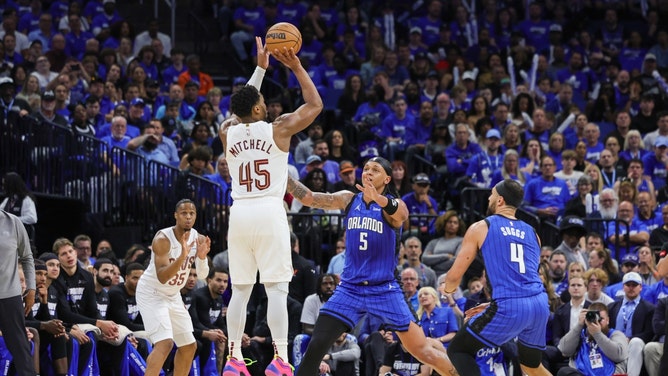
{"points": [[256, 78], [202, 267]]}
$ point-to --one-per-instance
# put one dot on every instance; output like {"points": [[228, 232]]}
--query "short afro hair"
{"points": [[242, 102]]}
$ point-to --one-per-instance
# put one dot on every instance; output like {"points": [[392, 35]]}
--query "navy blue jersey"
{"points": [[370, 244], [511, 252]]}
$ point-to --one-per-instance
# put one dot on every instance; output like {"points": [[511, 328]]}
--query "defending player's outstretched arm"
{"points": [[337, 200]]}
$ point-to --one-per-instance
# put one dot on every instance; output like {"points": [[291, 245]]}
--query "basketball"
{"points": [[283, 34]]}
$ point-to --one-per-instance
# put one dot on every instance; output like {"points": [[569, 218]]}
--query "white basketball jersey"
{"points": [[150, 277], [257, 166]]}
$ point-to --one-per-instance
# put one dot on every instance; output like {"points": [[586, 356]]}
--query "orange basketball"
{"points": [[283, 34]]}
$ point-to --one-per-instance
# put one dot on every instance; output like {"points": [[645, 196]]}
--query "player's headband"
{"points": [[384, 163], [504, 190]]}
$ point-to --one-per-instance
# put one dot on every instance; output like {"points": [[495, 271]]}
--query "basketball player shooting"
{"points": [[259, 236]]}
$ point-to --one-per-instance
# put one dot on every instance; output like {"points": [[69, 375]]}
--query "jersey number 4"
{"points": [[259, 177], [517, 255]]}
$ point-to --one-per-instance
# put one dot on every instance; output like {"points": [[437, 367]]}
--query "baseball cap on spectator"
{"points": [[48, 96], [415, 29], [239, 81], [661, 141], [6, 81], [441, 124], [468, 75], [109, 1], [505, 81], [556, 28], [192, 83], [573, 225], [48, 256], [313, 159], [137, 102], [630, 259], [432, 74], [346, 166], [493, 133], [650, 57], [421, 178], [632, 277]]}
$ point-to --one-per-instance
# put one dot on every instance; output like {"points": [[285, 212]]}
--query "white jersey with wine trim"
{"points": [[149, 280], [257, 166]]}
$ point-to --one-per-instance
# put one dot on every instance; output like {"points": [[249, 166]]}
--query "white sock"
{"points": [[277, 316], [236, 318]]}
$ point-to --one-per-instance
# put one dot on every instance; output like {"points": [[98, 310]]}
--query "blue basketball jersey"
{"points": [[491, 362], [370, 244], [512, 254]]}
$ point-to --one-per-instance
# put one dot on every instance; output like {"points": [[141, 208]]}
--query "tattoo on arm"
{"points": [[299, 191], [323, 201]]}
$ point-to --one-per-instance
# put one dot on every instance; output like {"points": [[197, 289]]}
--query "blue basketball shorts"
{"points": [[507, 318], [384, 303]]}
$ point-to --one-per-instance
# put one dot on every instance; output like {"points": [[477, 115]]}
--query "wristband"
{"points": [[392, 206]]}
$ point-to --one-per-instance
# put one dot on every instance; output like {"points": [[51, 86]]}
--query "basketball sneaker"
{"points": [[235, 367], [278, 367]]}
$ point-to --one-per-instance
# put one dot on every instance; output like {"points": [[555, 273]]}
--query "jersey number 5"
{"points": [[364, 245], [260, 177], [517, 255]]}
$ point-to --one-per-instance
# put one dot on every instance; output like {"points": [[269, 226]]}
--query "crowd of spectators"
{"points": [[566, 97]]}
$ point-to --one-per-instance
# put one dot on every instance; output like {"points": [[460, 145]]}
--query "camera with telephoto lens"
{"points": [[593, 316]]}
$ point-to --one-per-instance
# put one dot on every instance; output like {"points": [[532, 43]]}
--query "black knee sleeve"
{"points": [[529, 356], [462, 351], [327, 330]]}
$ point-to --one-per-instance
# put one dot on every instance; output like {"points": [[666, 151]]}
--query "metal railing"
{"points": [[128, 190]]}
